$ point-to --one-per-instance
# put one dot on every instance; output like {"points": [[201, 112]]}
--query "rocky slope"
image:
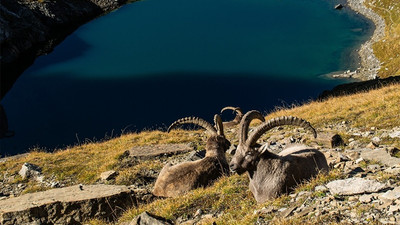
{"points": [[31, 28], [363, 186]]}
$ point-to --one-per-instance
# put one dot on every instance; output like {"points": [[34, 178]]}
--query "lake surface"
{"points": [[155, 61]]}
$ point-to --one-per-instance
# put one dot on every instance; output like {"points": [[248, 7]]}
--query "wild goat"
{"points": [[272, 175], [178, 179], [236, 120]]}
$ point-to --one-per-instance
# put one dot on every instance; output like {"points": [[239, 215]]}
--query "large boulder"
{"points": [[70, 205], [354, 186]]}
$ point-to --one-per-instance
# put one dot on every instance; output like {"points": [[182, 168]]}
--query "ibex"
{"points": [[236, 120], [178, 179], [272, 175]]}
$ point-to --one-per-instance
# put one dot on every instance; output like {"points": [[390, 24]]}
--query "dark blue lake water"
{"points": [[152, 62]]}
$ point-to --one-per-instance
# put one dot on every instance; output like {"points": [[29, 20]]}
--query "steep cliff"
{"points": [[32, 28]]}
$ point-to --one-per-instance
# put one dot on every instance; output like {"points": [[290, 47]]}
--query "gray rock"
{"points": [[108, 175], [196, 155], [266, 210], [392, 194], [371, 145], [70, 205], [305, 211], [353, 186], [339, 6], [343, 158], [285, 213], [394, 208], [359, 160], [393, 170], [151, 151], [380, 155], [354, 144], [29, 170], [353, 198], [374, 167], [395, 134], [330, 140], [321, 188], [376, 140], [149, 219], [198, 212], [366, 198], [207, 216]]}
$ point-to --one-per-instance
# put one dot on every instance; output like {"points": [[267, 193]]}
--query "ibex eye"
{"points": [[249, 155]]}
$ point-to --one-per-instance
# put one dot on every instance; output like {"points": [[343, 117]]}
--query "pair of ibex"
{"points": [[270, 175]]}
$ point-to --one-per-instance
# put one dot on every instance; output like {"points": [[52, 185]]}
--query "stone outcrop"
{"points": [[70, 205], [352, 186], [381, 156], [29, 170], [150, 151], [32, 28], [149, 219]]}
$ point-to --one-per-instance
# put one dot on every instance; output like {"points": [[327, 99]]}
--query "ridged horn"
{"points": [[245, 123], [238, 110], [193, 120], [218, 124], [279, 121]]}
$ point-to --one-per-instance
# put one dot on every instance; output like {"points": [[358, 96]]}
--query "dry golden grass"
{"points": [[86, 162], [377, 108], [230, 195], [388, 49]]}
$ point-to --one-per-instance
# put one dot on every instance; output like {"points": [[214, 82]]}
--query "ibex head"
{"points": [[248, 151], [217, 141]]}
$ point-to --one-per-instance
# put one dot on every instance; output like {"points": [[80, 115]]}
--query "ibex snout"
{"points": [[235, 168], [232, 167]]}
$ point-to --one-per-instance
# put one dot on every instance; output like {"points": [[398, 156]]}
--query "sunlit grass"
{"points": [[85, 163], [388, 49]]}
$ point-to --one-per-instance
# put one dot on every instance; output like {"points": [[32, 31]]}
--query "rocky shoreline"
{"points": [[370, 65], [34, 28]]}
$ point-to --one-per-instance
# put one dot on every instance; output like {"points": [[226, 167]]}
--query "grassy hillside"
{"points": [[388, 49]]}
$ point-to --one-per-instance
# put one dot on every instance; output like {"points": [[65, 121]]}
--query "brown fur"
{"points": [[272, 175], [186, 176]]}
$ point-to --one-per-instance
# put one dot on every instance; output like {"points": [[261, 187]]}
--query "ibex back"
{"points": [[178, 179]]}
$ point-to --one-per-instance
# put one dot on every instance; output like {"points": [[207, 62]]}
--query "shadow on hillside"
{"points": [[357, 87]]}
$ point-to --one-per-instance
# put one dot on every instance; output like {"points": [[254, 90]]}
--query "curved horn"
{"points": [[238, 110], [194, 120], [279, 121], [245, 123], [218, 124]]}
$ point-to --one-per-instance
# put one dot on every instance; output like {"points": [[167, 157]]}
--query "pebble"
{"points": [[365, 198]]}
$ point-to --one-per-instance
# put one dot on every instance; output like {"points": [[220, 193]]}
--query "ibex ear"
{"points": [[218, 124]]}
